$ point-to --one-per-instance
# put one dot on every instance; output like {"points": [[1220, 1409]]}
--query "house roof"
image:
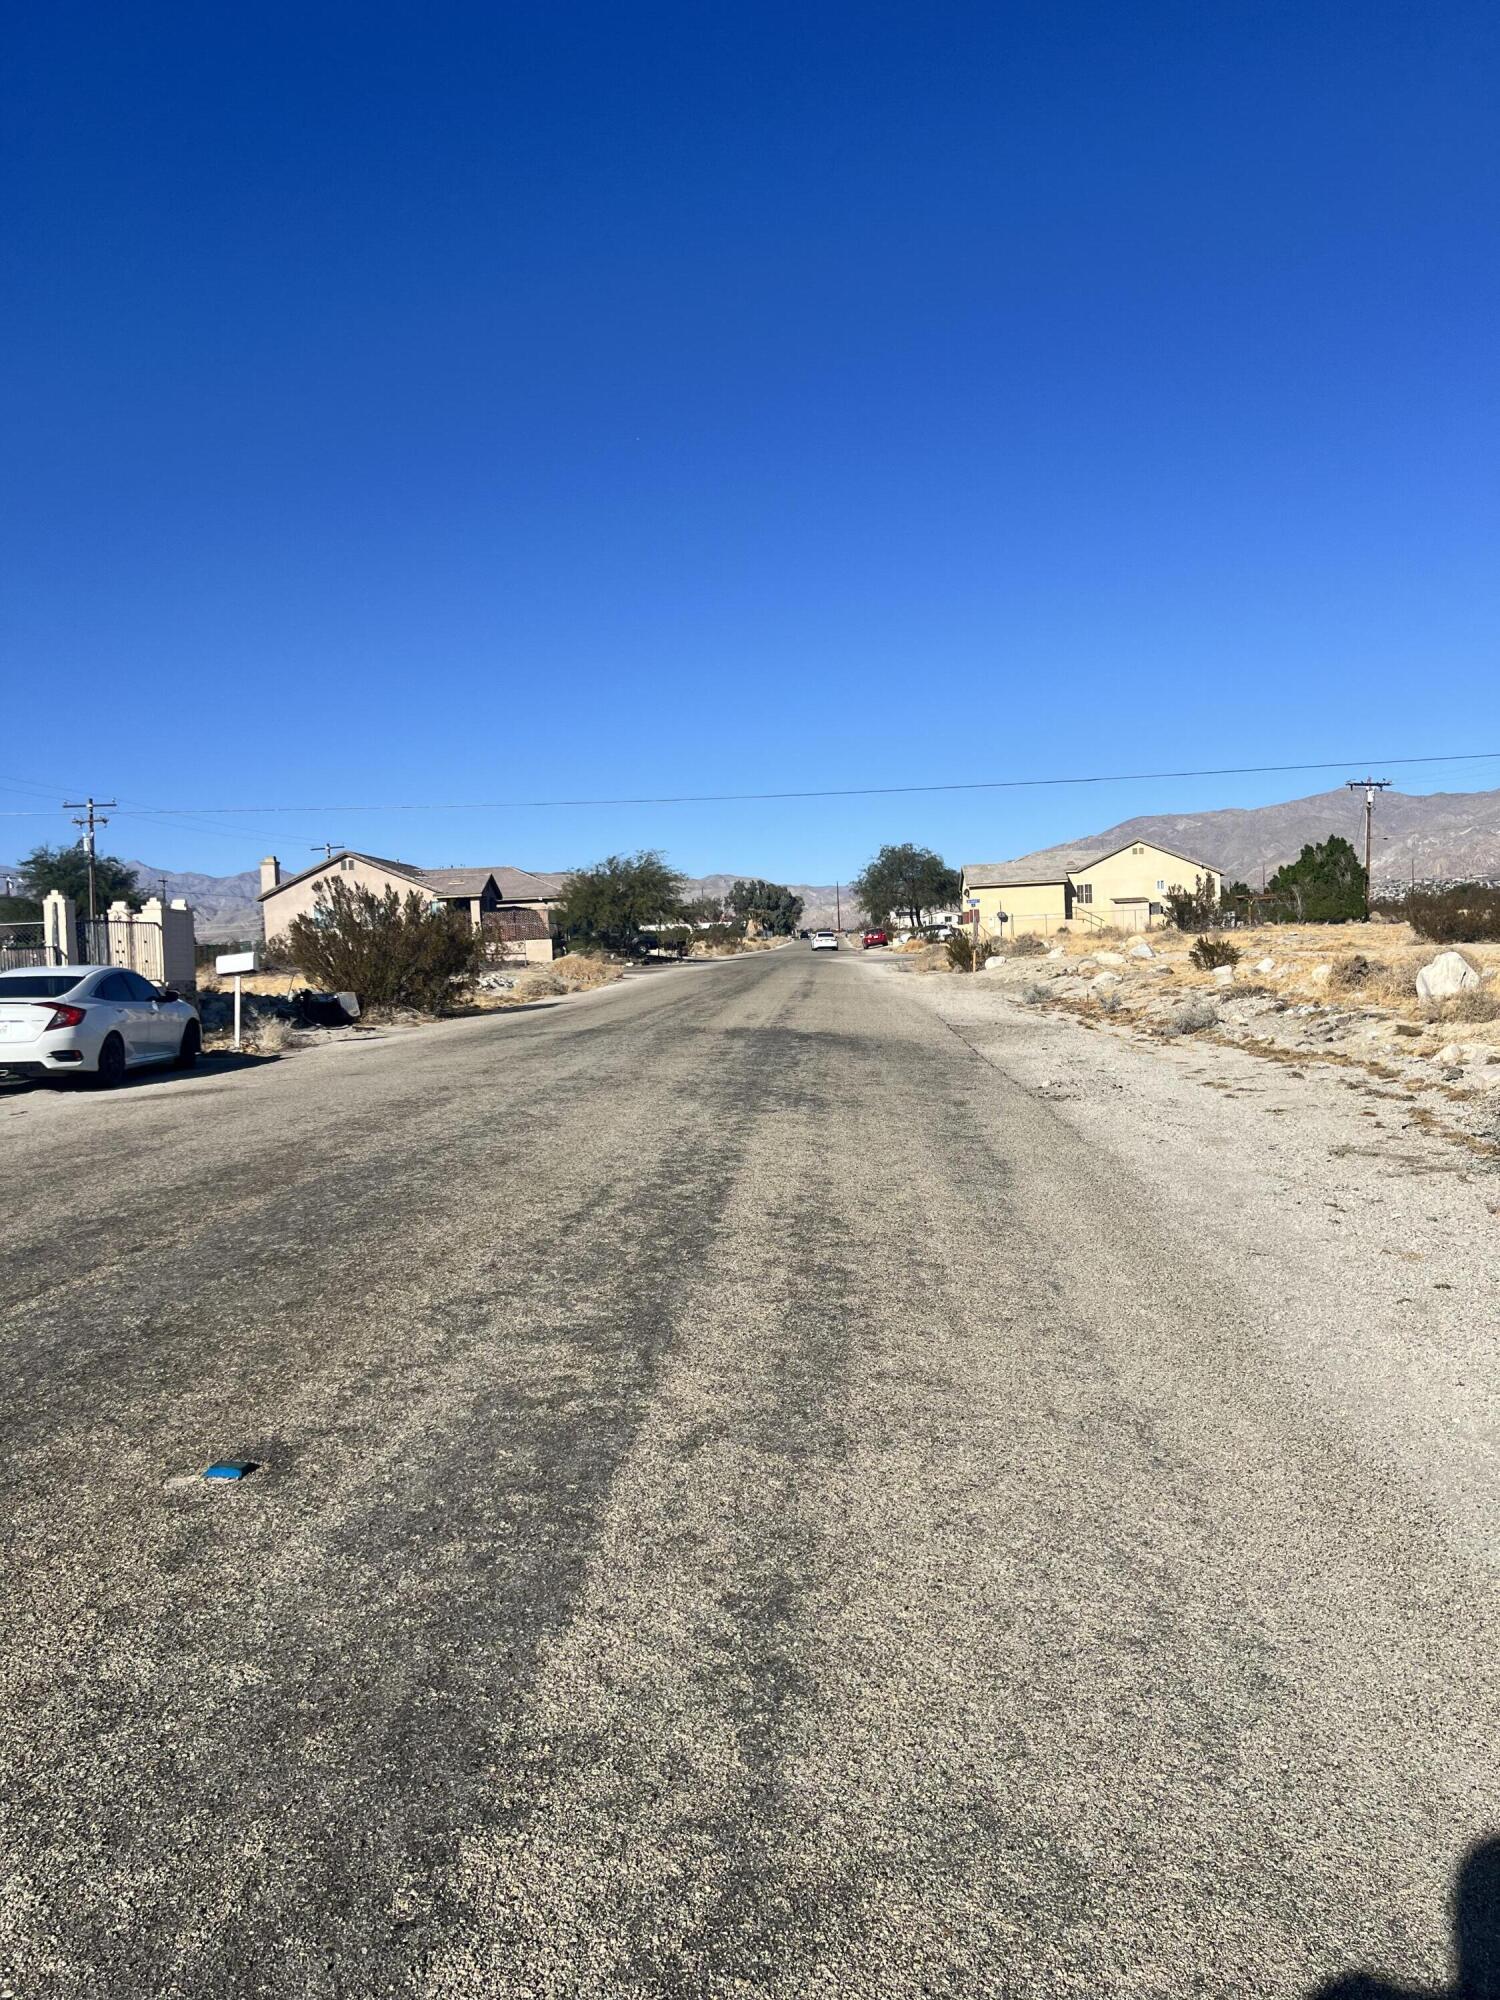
{"points": [[522, 885], [515, 885], [1092, 860], [457, 881], [1025, 874], [1016, 874]]}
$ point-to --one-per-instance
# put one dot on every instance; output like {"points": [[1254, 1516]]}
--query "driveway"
{"points": [[758, 1494]]}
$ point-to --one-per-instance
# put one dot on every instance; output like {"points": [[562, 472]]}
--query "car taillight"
{"points": [[63, 1016]]}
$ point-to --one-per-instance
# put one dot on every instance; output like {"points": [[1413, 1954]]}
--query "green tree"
{"points": [[772, 905], [704, 910], [905, 881], [1324, 885], [391, 951], [615, 901], [66, 869], [1195, 909]]}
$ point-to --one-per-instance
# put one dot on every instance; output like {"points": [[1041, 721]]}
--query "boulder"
{"points": [[1452, 1053], [1057, 952], [1223, 975], [994, 965], [1140, 949], [1110, 957], [1320, 975], [1445, 975], [1265, 966], [1103, 980]]}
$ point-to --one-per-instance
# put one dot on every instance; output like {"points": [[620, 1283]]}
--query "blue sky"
{"points": [[412, 404]]}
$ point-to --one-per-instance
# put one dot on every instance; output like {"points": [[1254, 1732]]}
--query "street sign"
{"points": [[235, 961]]}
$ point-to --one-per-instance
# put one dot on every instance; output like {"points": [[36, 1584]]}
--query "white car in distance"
{"points": [[825, 940], [96, 1021]]}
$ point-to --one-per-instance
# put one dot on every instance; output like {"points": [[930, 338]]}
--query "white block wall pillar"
{"points": [[60, 928]]}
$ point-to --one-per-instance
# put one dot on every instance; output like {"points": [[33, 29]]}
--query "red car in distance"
{"points": [[874, 938]]}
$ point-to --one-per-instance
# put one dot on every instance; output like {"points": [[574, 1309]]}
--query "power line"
{"points": [[843, 792], [749, 798]]}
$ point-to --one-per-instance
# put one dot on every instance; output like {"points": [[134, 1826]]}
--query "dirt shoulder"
{"points": [[1360, 1209], [1313, 1000]]}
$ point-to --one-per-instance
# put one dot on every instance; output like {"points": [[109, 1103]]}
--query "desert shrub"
{"points": [[391, 951], [964, 955], [539, 982], [580, 972], [1193, 909], [276, 955], [1466, 914], [1351, 971], [1211, 952], [271, 1035], [1475, 1003], [1027, 945], [1193, 1015]]}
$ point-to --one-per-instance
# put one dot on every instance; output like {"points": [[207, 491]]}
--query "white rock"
{"points": [[1140, 949], [1264, 965], [1057, 952], [1452, 1052], [1320, 975], [994, 965], [1447, 974], [1105, 979], [1223, 975], [1110, 957]]}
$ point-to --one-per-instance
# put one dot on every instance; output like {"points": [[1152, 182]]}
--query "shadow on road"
{"points": [[212, 1063], [1476, 1942]]}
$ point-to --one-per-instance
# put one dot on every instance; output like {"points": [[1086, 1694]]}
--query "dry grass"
{"points": [[271, 1036], [1475, 1003], [580, 972], [736, 950], [576, 973]]}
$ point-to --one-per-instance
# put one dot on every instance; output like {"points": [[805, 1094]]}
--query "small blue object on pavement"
{"points": [[230, 1468]]}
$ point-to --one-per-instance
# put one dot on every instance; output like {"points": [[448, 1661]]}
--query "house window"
{"points": [[347, 862], [1137, 850], [1083, 892], [1161, 883]]}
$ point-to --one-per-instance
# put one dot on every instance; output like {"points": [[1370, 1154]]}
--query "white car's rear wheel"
{"points": [[111, 1069]]}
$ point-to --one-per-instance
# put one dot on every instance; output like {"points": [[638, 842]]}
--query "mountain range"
{"points": [[1438, 836]]}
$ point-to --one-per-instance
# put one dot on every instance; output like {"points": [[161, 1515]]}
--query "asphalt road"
{"points": [[752, 1502]]}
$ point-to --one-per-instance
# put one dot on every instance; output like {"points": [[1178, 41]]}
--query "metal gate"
{"points": [[132, 941]]}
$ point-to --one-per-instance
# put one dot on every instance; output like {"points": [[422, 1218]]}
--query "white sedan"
{"points": [[825, 941], [91, 1020]]}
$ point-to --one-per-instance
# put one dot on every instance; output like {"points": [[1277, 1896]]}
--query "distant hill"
{"points": [[1443, 836]]}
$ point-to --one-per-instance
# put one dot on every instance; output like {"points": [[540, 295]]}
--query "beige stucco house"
{"points": [[512, 906], [1125, 889]]}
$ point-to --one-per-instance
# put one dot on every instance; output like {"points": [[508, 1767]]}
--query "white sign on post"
{"points": [[235, 962]]}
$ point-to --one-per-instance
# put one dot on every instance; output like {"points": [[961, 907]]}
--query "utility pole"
{"points": [[1370, 786], [838, 907], [327, 848], [91, 817]]}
